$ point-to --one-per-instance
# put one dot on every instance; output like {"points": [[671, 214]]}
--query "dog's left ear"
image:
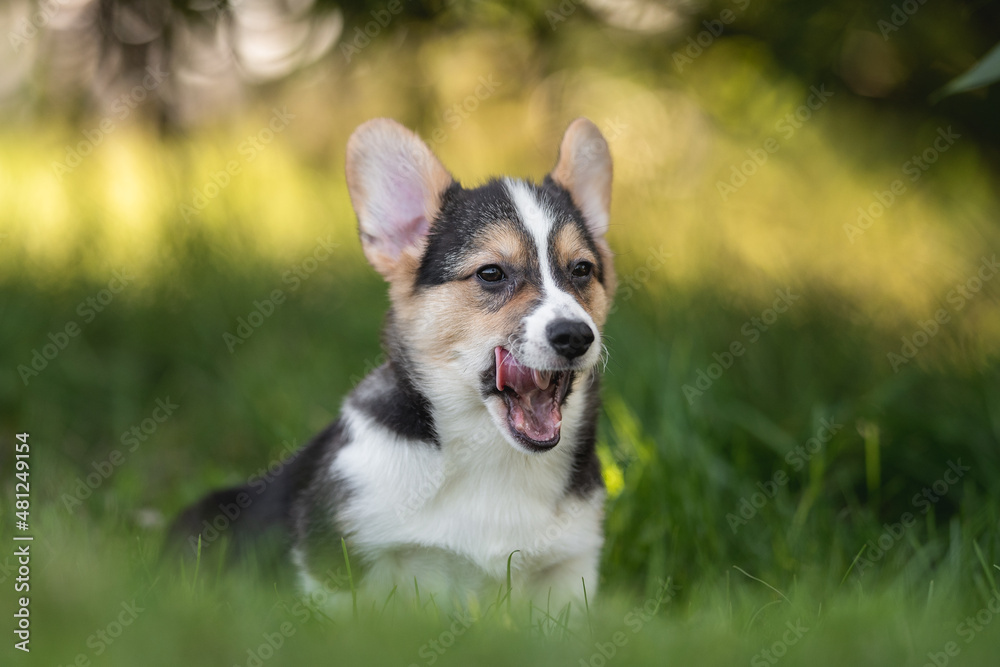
{"points": [[584, 168], [396, 184]]}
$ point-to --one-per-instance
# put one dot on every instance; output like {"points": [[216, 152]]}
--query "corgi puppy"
{"points": [[472, 449]]}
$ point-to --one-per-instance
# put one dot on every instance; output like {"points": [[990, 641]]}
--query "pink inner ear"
{"points": [[396, 185], [406, 221], [406, 235]]}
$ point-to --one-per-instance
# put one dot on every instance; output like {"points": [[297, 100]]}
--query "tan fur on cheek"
{"points": [[442, 319], [437, 323], [443, 322]]}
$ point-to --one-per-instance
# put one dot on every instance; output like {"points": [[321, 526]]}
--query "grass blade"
{"points": [[350, 579]]}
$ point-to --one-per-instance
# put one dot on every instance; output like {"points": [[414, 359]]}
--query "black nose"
{"points": [[570, 338]]}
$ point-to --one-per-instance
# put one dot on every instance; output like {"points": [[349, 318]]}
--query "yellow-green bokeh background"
{"points": [[676, 467]]}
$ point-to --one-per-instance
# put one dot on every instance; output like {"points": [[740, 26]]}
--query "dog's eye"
{"points": [[491, 273], [582, 269]]}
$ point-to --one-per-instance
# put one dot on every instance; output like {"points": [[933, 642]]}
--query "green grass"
{"points": [[680, 469]]}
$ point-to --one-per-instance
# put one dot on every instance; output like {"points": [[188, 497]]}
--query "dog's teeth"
{"points": [[519, 422], [541, 378], [499, 365]]}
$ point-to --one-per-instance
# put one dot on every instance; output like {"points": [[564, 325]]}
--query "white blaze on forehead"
{"points": [[539, 221], [539, 224]]}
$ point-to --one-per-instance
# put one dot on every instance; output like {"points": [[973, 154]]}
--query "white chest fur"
{"points": [[451, 516]]}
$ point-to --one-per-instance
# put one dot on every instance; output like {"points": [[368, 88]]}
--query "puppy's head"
{"points": [[499, 292]]}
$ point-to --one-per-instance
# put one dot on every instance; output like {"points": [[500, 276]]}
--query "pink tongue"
{"points": [[534, 413], [510, 373]]}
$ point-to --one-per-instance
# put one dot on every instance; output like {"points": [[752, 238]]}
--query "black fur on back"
{"points": [[256, 524]]}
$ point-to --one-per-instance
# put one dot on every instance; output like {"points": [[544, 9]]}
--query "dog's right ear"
{"points": [[396, 184]]}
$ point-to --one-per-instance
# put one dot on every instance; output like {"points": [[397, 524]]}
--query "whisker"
{"points": [[605, 356]]}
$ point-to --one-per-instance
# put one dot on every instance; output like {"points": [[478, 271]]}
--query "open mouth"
{"points": [[534, 400]]}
